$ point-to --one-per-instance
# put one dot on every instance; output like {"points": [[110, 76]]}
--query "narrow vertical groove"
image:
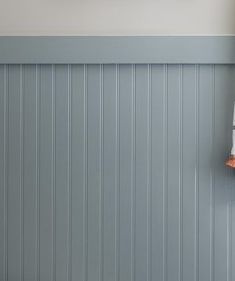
{"points": [[85, 187], [181, 174], [101, 199], [53, 180], [133, 203], [212, 180], [149, 178], [37, 173], [69, 265], [117, 179], [5, 180], [21, 177], [165, 174], [197, 173]]}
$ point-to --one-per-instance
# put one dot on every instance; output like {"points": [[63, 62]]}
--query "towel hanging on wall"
{"points": [[231, 160]]}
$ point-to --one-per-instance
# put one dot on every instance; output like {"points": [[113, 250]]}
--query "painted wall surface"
{"points": [[116, 172], [103, 17]]}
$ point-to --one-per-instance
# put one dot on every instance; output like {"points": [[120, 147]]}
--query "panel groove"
{"points": [[53, 112], [69, 264], [101, 215], [21, 176], [37, 172], [181, 174], [212, 181], [117, 177], [197, 173], [165, 174], [6, 166], [149, 179], [86, 176], [133, 204]]}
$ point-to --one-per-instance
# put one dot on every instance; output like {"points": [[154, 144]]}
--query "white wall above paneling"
{"points": [[117, 17]]}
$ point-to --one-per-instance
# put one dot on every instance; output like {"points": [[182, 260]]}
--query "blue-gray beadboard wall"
{"points": [[115, 171]]}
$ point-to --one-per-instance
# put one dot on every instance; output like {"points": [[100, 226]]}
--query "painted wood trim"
{"points": [[118, 49]]}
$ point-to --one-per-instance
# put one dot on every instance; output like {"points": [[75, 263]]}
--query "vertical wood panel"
{"points": [[111, 172], [230, 177], [78, 170], [94, 188], [61, 171], [46, 166], [206, 171], [173, 175], [141, 188], [14, 175], [126, 183], [189, 172], [223, 101], [157, 171], [30, 170]]}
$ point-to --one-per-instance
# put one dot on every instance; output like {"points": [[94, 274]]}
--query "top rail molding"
{"points": [[117, 49]]}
